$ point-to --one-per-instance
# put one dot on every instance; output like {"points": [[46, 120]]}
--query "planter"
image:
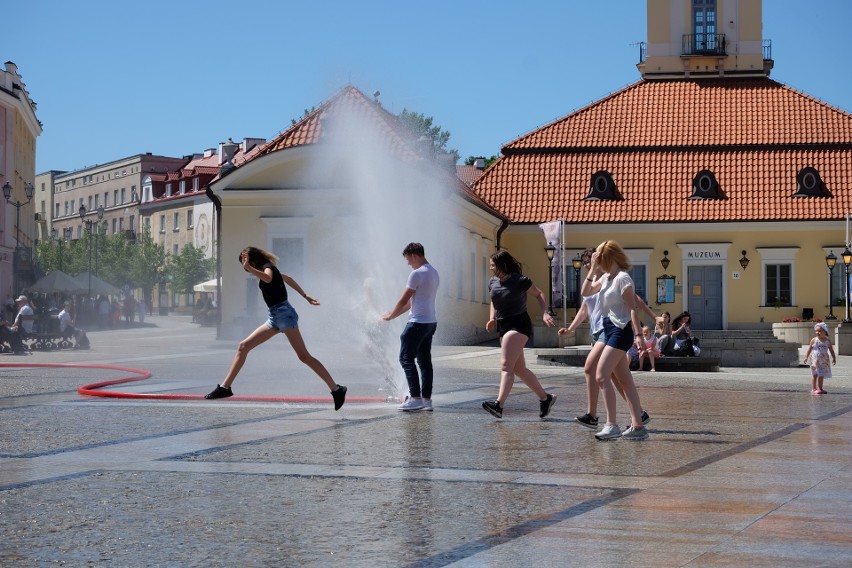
{"points": [[800, 332]]}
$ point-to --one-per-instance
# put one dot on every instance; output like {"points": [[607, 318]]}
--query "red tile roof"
{"points": [[469, 174], [655, 136], [347, 103]]}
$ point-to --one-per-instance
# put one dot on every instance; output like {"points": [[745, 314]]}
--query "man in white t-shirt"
{"points": [[66, 328], [416, 340]]}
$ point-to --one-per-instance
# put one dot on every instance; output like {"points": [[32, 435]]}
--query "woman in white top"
{"points": [[619, 306]]}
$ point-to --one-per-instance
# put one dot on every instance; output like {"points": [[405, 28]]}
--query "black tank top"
{"points": [[275, 292]]}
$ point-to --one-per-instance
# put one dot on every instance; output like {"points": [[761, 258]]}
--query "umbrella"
{"points": [[208, 286], [58, 281], [98, 286]]}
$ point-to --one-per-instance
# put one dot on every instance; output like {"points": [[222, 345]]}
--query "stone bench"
{"points": [[576, 357]]}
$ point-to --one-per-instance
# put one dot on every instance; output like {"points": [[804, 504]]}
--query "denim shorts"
{"points": [[616, 337], [599, 336], [283, 316]]}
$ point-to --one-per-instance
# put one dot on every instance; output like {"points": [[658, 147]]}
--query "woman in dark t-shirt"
{"points": [[282, 319], [509, 289]]}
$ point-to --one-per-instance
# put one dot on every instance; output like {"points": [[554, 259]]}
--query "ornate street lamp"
{"points": [[830, 261], [89, 223], [550, 250], [577, 263], [7, 193], [744, 261], [665, 260], [847, 260]]}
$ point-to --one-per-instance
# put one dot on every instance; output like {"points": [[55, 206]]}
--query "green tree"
{"points": [[187, 269], [422, 126], [488, 161], [150, 263]]}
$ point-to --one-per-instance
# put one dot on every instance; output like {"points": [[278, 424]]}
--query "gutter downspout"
{"points": [[503, 226], [217, 205]]}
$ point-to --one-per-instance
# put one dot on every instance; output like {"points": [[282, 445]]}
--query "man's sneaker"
{"points": [[645, 417], [493, 407], [411, 405], [220, 392], [609, 432], [545, 405], [427, 404], [339, 396], [635, 433], [588, 421]]}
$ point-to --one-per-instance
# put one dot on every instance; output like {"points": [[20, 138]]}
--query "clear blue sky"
{"points": [[115, 78]]}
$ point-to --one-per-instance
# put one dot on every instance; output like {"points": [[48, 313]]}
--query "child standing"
{"points": [[817, 356]]}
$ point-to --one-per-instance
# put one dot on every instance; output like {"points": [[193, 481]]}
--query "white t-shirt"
{"points": [[64, 320], [27, 324], [593, 305], [424, 281], [613, 305]]}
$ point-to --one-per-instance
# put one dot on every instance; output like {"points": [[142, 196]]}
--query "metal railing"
{"points": [[703, 44], [767, 50]]}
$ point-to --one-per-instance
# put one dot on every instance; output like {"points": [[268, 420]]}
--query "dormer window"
{"points": [[705, 186], [603, 188], [810, 184]]}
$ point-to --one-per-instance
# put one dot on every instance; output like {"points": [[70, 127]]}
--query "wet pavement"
{"points": [[743, 467]]}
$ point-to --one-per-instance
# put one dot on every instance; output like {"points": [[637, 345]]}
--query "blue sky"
{"points": [[114, 78]]}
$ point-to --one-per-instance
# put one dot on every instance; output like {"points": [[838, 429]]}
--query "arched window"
{"points": [[705, 186], [603, 187], [810, 184]]}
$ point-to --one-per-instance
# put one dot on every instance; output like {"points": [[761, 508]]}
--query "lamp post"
{"points": [[847, 260], [89, 224], [830, 261], [7, 193], [54, 238], [577, 263], [550, 250]]}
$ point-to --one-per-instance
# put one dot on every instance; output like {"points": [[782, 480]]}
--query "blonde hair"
{"points": [[609, 253]]}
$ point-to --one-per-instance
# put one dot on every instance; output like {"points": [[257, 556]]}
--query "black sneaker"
{"points": [[645, 417], [545, 405], [493, 407], [220, 392], [588, 421], [339, 396]]}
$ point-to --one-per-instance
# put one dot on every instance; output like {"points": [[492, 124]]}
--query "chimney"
{"points": [[209, 152], [479, 163], [227, 150]]}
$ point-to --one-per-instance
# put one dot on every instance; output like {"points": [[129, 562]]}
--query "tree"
{"points": [[187, 269], [488, 161], [421, 126]]}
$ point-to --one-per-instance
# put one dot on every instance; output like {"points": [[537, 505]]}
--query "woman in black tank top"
{"points": [[282, 319]]}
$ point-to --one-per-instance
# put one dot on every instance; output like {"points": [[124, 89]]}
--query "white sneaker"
{"points": [[609, 432], [411, 405], [634, 433], [427, 404]]}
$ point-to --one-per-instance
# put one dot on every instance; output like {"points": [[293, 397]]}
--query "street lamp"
{"points": [[847, 260], [550, 250], [577, 263], [830, 261], [53, 237], [89, 224], [7, 193]]}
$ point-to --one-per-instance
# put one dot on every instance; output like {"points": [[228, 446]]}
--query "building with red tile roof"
{"points": [[336, 197], [705, 161]]}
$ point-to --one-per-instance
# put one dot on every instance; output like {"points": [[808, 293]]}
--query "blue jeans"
{"points": [[416, 344]]}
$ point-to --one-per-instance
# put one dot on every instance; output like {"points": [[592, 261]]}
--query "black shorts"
{"points": [[520, 323]]}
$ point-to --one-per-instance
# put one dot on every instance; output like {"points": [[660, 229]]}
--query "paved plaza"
{"points": [[742, 468]]}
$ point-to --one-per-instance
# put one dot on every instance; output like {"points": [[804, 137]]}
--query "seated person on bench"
{"points": [[11, 338], [23, 324], [66, 328]]}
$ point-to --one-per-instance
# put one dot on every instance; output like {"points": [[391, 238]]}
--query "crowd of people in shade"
{"points": [[56, 315]]}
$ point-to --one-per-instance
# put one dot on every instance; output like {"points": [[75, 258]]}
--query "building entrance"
{"points": [[704, 296]]}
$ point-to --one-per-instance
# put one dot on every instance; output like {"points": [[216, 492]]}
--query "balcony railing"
{"points": [[703, 44], [643, 51], [767, 50]]}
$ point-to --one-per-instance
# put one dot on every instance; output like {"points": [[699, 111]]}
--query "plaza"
{"points": [[742, 468]]}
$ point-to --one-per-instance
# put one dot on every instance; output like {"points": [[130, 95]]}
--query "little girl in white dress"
{"points": [[818, 358]]}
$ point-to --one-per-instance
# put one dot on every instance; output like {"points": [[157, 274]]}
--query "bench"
{"points": [[576, 357], [48, 341]]}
